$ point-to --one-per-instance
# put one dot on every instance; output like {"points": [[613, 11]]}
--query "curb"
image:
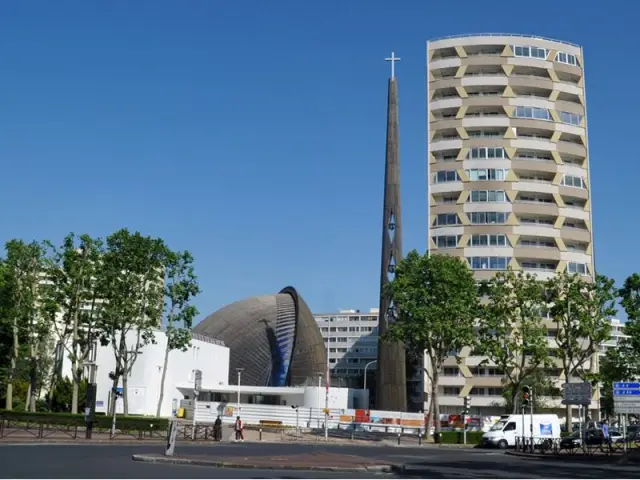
{"points": [[216, 464], [622, 460]]}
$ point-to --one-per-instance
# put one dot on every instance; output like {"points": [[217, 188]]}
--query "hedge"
{"points": [[473, 438], [76, 419]]}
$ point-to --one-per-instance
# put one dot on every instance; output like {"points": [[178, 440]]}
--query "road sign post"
{"points": [[626, 398]]}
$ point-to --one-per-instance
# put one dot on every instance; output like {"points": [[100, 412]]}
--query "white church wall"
{"points": [[143, 383]]}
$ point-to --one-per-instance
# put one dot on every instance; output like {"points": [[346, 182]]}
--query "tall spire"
{"points": [[391, 384]]}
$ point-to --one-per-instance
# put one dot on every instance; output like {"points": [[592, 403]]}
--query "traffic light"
{"points": [[526, 395], [467, 405]]}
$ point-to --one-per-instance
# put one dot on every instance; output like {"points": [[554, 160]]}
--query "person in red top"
{"points": [[238, 428]]}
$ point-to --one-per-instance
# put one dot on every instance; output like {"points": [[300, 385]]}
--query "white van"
{"points": [[504, 433]]}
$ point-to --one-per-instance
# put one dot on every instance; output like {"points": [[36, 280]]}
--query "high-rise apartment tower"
{"points": [[508, 163]]}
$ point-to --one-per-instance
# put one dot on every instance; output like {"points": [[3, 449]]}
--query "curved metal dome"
{"points": [[274, 338]]}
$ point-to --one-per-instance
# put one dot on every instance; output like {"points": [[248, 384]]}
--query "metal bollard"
{"points": [[260, 434], [419, 438], [353, 434], [398, 439]]}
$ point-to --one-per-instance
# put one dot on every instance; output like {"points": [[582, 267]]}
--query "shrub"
{"points": [[473, 438], [101, 421]]}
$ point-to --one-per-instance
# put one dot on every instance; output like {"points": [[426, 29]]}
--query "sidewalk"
{"points": [[309, 461], [595, 457]]}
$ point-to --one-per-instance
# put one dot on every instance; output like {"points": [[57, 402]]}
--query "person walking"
{"points": [[238, 427], [217, 429]]}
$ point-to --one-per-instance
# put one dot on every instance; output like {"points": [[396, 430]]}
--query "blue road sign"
{"points": [[624, 385], [626, 392]]}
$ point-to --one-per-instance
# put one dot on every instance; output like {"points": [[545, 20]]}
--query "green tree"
{"points": [[511, 332], [436, 300], [62, 395], [71, 301], [581, 312], [130, 285], [623, 363], [181, 285], [24, 264]]}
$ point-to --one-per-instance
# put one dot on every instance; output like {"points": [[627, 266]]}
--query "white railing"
{"points": [[519, 35], [204, 338]]}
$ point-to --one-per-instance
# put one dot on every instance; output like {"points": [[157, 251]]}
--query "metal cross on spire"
{"points": [[393, 59]]}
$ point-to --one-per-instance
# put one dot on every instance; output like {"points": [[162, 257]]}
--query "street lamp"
{"points": [[320, 374], [239, 370], [365, 372]]}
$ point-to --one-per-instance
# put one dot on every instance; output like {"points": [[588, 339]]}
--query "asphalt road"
{"points": [[114, 461]]}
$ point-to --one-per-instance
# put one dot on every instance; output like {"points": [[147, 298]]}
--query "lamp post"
{"points": [[239, 370], [365, 372], [320, 374]]}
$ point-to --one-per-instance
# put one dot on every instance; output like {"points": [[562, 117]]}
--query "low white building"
{"points": [[143, 383]]}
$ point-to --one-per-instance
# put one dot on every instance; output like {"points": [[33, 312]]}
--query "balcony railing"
{"points": [[519, 35]]}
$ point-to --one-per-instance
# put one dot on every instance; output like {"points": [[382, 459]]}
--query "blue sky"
{"points": [[252, 132]]}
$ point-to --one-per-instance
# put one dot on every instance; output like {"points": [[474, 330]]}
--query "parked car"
{"points": [[592, 437]]}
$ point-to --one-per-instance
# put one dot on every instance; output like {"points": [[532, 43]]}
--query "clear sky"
{"points": [[252, 132]]}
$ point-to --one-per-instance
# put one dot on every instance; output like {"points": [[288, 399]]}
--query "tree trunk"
{"points": [[26, 401], [33, 384], [125, 399], [514, 402], [164, 375], [14, 359], [429, 421], [75, 388], [436, 406], [12, 368], [112, 407]]}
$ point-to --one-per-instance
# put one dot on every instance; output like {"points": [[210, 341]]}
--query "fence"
{"points": [[574, 446], [307, 417]]}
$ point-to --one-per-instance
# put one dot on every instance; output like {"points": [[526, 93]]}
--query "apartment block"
{"points": [[352, 341], [508, 172]]}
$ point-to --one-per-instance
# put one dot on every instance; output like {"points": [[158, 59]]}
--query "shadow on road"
{"points": [[522, 468]]}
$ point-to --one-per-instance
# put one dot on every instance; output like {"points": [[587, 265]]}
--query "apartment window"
{"points": [[446, 176], [447, 219], [497, 240], [452, 390], [489, 263], [446, 241], [354, 329], [342, 339], [486, 152], [483, 196], [488, 218], [570, 118], [532, 52], [570, 181], [533, 112], [479, 174], [567, 58], [495, 391], [451, 372], [575, 267]]}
